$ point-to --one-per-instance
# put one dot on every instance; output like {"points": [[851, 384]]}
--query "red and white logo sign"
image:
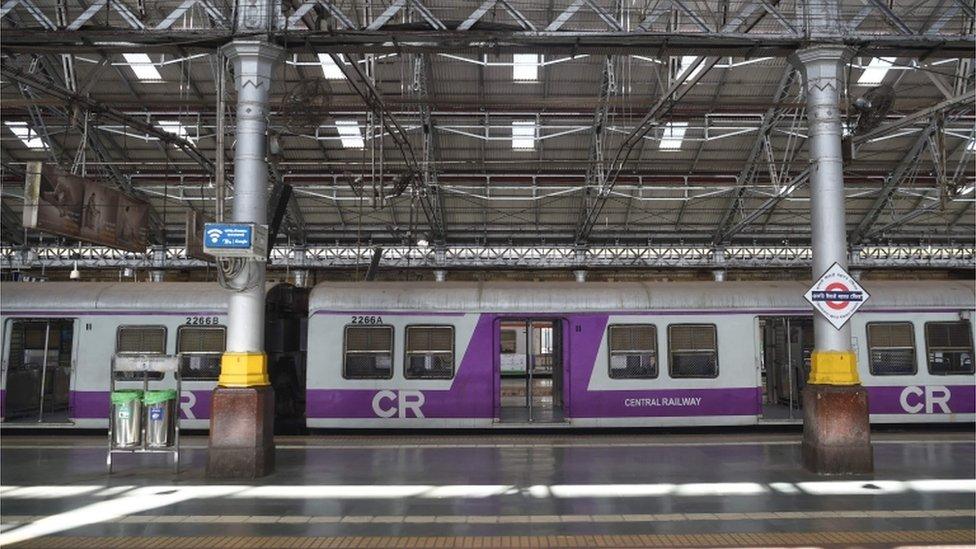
{"points": [[837, 296]]}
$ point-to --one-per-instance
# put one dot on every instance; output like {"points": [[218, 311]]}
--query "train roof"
{"points": [[113, 296], [556, 297]]}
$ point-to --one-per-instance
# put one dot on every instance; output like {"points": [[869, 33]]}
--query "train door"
{"points": [[38, 370], [531, 371], [787, 344]]}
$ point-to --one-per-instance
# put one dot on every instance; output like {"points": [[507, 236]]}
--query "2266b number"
{"points": [[357, 319], [202, 320]]}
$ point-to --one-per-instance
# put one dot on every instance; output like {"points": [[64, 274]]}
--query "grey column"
{"points": [[822, 68], [253, 63]]}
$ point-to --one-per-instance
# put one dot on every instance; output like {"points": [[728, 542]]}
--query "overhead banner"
{"points": [[64, 204]]}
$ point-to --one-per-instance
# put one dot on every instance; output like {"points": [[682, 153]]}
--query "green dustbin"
{"points": [[126, 418], [160, 412]]}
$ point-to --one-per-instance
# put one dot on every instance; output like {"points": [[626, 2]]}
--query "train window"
{"points": [[368, 352], [693, 350], [950, 347], [430, 352], [633, 351], [509, 342], [891, 348], [140, 340], [200, 349]]}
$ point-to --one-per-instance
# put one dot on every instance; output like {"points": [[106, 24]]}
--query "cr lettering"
{"points": [[397, 404], [914, 399]]}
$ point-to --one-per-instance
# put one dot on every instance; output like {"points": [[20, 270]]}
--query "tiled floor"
{"points": [[498, 490]]}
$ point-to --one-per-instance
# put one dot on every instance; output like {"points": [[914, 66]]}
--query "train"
{"points": [[482, 355]]}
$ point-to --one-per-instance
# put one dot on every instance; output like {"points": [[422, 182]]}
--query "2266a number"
{"points": [[358, 319]]}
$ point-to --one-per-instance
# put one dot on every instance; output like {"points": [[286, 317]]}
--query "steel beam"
{"points": [[894, 179], [511, 257]]}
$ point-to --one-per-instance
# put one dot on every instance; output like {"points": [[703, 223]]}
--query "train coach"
{"points": [[59, 339], [472, 355]]}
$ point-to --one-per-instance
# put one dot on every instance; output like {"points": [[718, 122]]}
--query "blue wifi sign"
{"points": [[228, 236]]}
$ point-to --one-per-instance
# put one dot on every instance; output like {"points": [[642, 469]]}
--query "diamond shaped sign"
{"points": [[837, 296]]}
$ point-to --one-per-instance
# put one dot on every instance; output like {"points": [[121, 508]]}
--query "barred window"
{"points": [[200, 349], [368, 352], [140, 340], [891, 348], [950, 347], [693, 350], [633, 351], [429, 352]]}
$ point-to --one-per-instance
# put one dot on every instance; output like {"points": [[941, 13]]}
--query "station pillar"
{"points": [[242, 410], [836, 432]]}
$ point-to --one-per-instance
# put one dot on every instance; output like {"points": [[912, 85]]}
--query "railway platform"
{"points": [[494, 490]]}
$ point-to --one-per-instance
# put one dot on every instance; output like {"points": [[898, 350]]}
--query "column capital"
{"points": [[823, 52], [822, 66], [255, 48], [254, 60]]}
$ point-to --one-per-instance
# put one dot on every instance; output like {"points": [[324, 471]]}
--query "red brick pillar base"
{"points": [[836, 431], [241, 433]]}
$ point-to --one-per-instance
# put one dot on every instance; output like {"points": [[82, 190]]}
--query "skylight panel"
{"points": [[685, 64], [176, 128], [525, 67], [523, 135], [143, 67], [971, 146], [350, 134], [330, 70], [673, 135], [876, 71], [27, 136]]}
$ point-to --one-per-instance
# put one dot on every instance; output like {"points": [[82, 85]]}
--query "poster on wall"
{"points": [[60, 203]]}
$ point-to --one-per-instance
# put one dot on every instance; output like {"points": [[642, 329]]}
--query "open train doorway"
{"points": [[37, 370], [530, 370], [787, 345]]}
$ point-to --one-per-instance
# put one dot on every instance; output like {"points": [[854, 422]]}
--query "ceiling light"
{"points": [[525, 67], [523, 135], [27, 136], [673, 135], [350, 134], [685, 63], [330, 70], [875, 73], [176, 128], [143, 67]]}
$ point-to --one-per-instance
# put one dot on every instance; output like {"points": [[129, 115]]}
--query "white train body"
{"points": [[95, 313], [441, 355], [585, 386]]}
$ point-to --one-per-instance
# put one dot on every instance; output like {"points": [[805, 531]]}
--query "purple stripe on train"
{"points": [[470, 395], [473, 392], [95, 404], [922, 399]]}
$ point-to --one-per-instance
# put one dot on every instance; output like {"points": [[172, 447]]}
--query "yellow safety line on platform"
{"points": [[900, 537]]}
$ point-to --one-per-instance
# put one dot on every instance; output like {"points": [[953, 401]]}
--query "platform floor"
{"points": [[494, 490]]}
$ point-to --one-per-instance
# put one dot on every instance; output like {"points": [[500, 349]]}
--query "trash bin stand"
{"points": [[146, 364]]}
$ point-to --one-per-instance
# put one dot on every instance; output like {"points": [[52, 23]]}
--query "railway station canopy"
{"points": [[504, 133]]}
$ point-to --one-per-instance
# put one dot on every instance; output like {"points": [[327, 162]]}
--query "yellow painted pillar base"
{"points": [[243, 370], [833, 368]]}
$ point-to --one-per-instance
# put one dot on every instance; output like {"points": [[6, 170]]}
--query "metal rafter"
{"points": [[128, 32], [414, 172], [770, 118], [509, 257], [746, 18]]}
